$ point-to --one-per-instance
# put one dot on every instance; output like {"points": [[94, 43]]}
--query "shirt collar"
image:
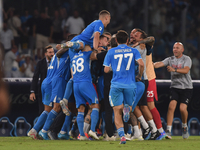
{"points": [[122, 45]]}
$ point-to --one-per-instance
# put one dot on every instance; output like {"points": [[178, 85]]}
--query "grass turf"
{"points": [[26, 143]]}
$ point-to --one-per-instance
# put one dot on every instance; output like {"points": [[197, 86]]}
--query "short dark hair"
{"points": [[113, 42], [122, 36], [104, 12], [47, 47], [103, 36], [143, 34], [107, 33]]}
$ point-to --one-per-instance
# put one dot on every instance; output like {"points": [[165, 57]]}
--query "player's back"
{"points": [[122, 60], [81, 67], [87, 34]]}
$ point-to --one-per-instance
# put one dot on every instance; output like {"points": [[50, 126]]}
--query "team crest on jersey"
{"points": [[100, 28]]}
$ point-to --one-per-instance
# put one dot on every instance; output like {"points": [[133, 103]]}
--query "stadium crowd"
{"points": [[70, 17]]}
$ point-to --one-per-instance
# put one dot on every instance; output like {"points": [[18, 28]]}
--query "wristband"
{"points": [[63, 45], [175, 69]]}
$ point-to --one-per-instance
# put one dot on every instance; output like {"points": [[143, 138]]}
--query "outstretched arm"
{"points": [[149, 40], [158, 64]]}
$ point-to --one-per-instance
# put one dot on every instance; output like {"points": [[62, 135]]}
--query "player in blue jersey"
{"points": [[58, 83], [84, 91], [46, 95], [90, 35], [122, 93]]}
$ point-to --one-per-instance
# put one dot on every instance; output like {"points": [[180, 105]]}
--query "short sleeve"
{"points": [[107, 60], [166, 61], [99, 28], [188, 62]]}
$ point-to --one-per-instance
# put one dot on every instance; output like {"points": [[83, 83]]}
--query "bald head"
{"points": [[178, 49], [179, 43]]}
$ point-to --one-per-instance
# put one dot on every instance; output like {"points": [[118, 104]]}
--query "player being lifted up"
{"points": [[122, 93], [90, 35]]}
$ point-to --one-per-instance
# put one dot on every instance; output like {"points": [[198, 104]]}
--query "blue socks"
{"points": [[129, 129], [80, 122], [120, 131], [68, 90], [41, 120], [66, 125], [52, 115], [94, 118]]}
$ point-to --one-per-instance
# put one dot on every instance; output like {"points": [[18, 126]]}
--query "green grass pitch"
{"points": [[26, 143]]}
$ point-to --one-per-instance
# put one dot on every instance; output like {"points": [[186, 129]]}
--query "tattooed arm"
{"points": [[149, 40]]}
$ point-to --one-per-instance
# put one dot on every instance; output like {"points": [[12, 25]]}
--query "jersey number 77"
{"points": [[120, 56]]}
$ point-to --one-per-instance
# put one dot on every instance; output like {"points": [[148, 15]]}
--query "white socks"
{"points": [[169, 128], [184, 125], [161, 130], [86, 127], [152, 125], [143, 122], [136, 131]]}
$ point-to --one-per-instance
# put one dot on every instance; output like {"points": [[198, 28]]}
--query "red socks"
{"points": [[156, 117]]}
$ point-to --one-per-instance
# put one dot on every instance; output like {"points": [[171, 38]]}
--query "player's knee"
{"points": [[150, 105], [172, 107], [81, 108], [95, 106], [183, 107]]}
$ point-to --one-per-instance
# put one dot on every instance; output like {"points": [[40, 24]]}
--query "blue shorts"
{"points": [[58, 89], [84, 92], [119, 96], [100, 87], [46, 94]]}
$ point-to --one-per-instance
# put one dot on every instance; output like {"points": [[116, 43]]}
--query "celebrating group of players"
{"points": [[132, 91]]}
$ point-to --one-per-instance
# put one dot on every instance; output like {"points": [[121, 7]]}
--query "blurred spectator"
{"points": [[14, 24], [27, 67], [9, 61], [29, 28], [43, 30], [6, 37], [75, 24], [57, 31], [25, 17]]}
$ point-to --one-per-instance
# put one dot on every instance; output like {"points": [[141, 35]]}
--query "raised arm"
{"points": [[61, 51]]}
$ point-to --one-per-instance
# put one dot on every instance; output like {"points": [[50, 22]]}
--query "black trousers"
{"points": [[58, 122], [108, 112]]}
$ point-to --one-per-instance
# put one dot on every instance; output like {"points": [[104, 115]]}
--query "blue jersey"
{"points": [[87, 34], [122, 61], [81, 67], [63, 66], [51, 70]]}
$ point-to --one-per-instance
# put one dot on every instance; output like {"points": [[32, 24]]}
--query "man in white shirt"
{"points": [[6, 37], [9, 59], [75, 24]]}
